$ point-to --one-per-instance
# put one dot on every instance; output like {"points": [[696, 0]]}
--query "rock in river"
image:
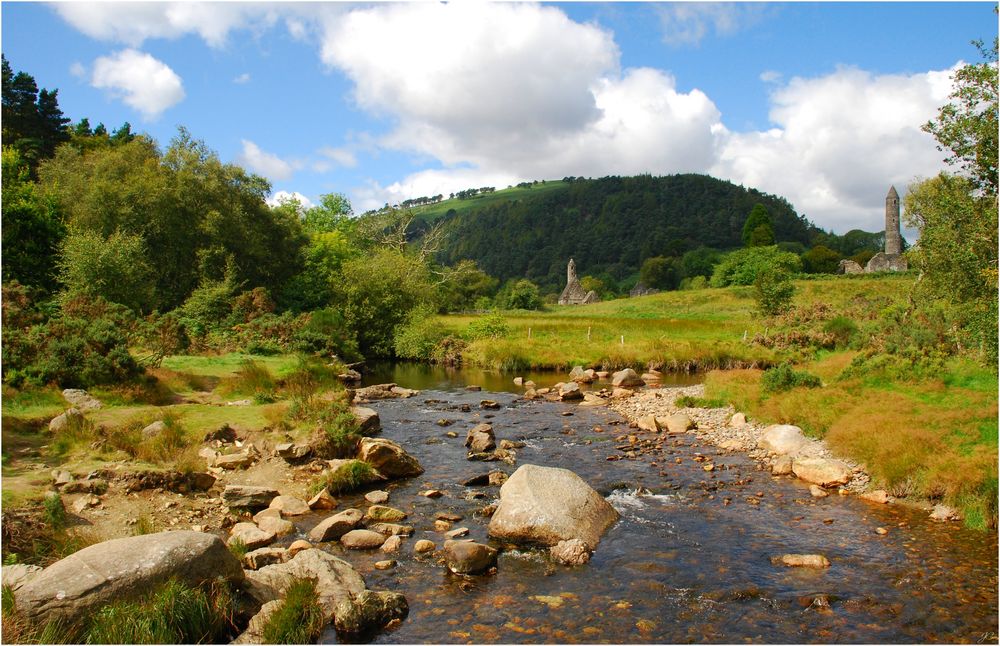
{"points": [[466, 557], [822, 471], [802, 560], [337, 525], [369, 611], [388, 458], [782, 439], [626, 379], [123, 569], [571, 552], [362, 539], [547, 505], [247, 496], [336, 581], [480, 438]]}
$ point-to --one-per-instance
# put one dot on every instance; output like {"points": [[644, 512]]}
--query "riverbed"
{"points": [[690, 559]]}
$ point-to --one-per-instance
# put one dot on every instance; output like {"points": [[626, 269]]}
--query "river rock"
{"points": [[18, 574], [336, 580], [621, 393], [276, 526], [424, 545], [879, 496], [124, 569], [388, 458], [391, 529], [362, 539], [818, 492], [337, 525], [62, 422], [738, 419], [651, 377], [803, 560], [571, 552], [518, 381], [290, 452], [590, 399], [546, 505], [387, 564], [581, 376], [322, 501], [298, 546], [822, 471], [570, 391], [392, 544], [677, 423], [251, 535], [248, 496], [648, 423], [369, 611], [254, 634], [263, 557], [290, 505], [466, 557], [367, 419], [154, 430], [943, 513], [626, 379], [270, 512], [782, 439], [480, 438], [384, 514], [782, 466], [81, 399], [384, 391]]}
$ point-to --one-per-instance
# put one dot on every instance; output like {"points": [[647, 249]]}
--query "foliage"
{"points": [[700, 262], [661, 273], [491, 326], [784, 377], [686, 401], [32, 227], [957, 255], [376, 294], [967, 125], [348, 477], [33, 123], [743, 266], [773, 291], [417, 338], [114, 268], [464, 284], [519, 295], [820, 260], [842, 328], [299, 618], [758, 230], [173, 614], [237, 547]]}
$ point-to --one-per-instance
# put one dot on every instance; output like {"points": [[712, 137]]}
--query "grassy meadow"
{"points": [[431, 212]]}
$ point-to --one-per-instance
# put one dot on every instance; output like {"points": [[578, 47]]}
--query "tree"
{"points": [[700, 261], [967, 125], [32, 227], [758, 230], [820, 260], [33, 123], [114, 268], [332, 214], [661, 273], [742, 267], [464, 284], [519, 295], [773, 291]]}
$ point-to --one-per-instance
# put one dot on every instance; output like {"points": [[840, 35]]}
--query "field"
{"points": [[432, 212]]}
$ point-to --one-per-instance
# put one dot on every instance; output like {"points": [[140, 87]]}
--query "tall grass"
{"points": [[299, 617], [349, 476]]}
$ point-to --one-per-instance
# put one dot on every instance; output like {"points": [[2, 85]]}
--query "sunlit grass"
{"points": [[227, 365]]}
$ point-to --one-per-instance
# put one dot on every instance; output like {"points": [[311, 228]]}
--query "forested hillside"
{"points": [[611, 225]]}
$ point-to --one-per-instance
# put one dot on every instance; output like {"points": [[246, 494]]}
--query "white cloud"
{"points": [[342, 156], [139, 80], [687, 23], [280, 197], [263, 163], [242, 79], [770, 76], [840, 140]]}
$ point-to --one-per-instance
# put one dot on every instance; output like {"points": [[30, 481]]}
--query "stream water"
{"points": [[681, 565]]}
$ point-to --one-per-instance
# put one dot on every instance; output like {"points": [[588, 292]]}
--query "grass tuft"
{"points": [[349, 476], [299, 617]]}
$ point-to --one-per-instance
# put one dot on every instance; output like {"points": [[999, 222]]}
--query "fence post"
{"points": [[588, 333], [623, 339], [529, 332]]}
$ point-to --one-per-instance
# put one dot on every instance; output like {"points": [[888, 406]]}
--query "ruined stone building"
{"points": [[892, 258], [574, 294]]}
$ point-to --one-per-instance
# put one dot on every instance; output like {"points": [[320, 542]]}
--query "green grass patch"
{"points": [[347, 477], [227, 365], [686, 401], [299, 617], [33, 403]]}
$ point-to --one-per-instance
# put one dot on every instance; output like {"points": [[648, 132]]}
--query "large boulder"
{"points": [[18, 574], [289, 506], [81, 399], [250, 535], [367, 419], [466, 557], [122, 569], [822, 471], [362, 539], [369, 611], [782, 439], [626, 379], [62, 422], [480, 438], [336, 581], [337, 525], [581, 376], [388, 458], [570, 391], [547, 505]]}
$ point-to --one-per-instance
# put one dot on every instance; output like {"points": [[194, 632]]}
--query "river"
{"points": [[681, 565]]}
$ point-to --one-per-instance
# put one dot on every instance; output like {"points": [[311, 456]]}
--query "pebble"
{"points": [[423, 546], [385, 565]]}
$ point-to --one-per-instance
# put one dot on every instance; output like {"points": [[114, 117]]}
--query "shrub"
{"points": [[773, 291], [419, 335], [491, 326], [519, 295], [347, 477], [784, 377], [842, 328], [686, 401], [55, 512], [743, 266], [299, 618]]}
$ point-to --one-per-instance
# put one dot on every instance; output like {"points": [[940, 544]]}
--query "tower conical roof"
{"points": [[892, 192]]}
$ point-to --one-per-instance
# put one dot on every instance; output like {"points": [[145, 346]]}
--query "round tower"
{"points": [[893, 241]]}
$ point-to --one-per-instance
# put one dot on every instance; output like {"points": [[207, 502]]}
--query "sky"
{"points": [[820, 103]]}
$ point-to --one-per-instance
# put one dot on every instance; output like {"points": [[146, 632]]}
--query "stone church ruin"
{"points": [[574, 293], [892, 258]]}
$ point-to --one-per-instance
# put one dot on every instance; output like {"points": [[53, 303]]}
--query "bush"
{"points": [[519, 295], [842, 328], [55, 512], [491, 326], [773, 291], [299, 618], [742, 267], [783, 377], [417, 338], [347, 477]]}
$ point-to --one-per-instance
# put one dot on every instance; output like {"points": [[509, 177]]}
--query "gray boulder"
{"points": [[626, 379], [336, 581], [369, 611], [782, 439], [547, 505], [337, 525], [124, 568], [570, 391], [62, 422], [248, 496], [154, 430], [362, 539], [388, 458], [821, 471], [480, 438], [81, 399], [17, 575], [368, 420], [251, 535]]}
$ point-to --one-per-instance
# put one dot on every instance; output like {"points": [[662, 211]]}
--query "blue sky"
{"points": [[818, 102]]}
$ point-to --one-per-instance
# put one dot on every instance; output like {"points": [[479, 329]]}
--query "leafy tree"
{"points": [[743, 266], [820, 260], [700, 261], [661, 273], [967, 125], [957, 254], [758, 230], [519, 295], [114, 268], [773, 291], [32, 120], [332, 214], [32, 227], [463, 285]]}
